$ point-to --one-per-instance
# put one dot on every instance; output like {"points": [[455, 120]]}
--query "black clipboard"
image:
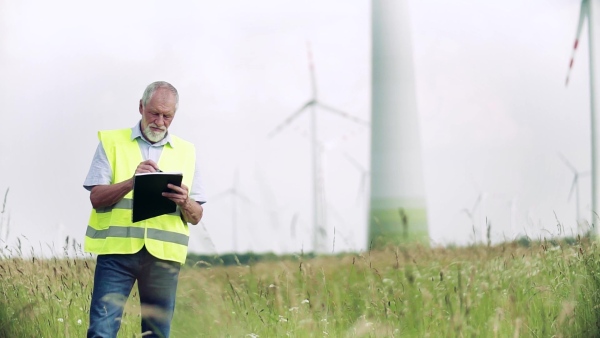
{"points": [[148, 200]]}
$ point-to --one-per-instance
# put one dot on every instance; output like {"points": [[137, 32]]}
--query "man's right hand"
{"points": [[148, 166], [106, 195]]}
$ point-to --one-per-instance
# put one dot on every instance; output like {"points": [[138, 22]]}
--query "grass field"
{"points": [[544, 289]]}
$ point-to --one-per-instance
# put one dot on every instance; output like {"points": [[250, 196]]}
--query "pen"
{"points": [[159, 171]]}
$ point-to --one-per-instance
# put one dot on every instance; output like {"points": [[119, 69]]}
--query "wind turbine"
{"points": [[317, 176], [396, 169], [364, 175], [574, 185], [235, 195], [471, 214], [273, 210], [586, 12]]}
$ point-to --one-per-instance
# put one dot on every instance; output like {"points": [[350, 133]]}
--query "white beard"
{"points": [[153, 136]]}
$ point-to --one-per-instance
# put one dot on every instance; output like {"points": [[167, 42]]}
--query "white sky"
{"points": [[493, 108]]}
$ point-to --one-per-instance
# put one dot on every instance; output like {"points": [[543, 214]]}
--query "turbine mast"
{"points": [[587, 12], [594, 120], [397, 206]]}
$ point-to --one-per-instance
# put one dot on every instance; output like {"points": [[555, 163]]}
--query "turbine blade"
{"points": [[572, 187], [290, 119], [343, 114], [583, 14], [311, 69], [363, 185], [354, 162], [567, 163]]}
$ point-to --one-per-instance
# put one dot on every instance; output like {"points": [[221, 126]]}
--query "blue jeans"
{"points": [[113, 280]]}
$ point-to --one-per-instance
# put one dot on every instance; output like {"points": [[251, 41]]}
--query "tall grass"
{"points": [[508, 290]]}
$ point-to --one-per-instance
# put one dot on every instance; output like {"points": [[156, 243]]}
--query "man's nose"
{"points": [[160, 120]]}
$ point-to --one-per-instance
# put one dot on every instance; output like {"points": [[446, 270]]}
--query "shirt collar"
{"points": [[136, 132]]}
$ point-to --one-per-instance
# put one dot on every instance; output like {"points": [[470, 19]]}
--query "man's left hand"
{"points": [[179, 195], [191, 211]]}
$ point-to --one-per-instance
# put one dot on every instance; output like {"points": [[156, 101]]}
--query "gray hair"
{"points": [[156, 85]]}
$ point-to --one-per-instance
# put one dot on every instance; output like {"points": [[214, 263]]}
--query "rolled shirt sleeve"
{"points": [[100, 172], [197, 189]]}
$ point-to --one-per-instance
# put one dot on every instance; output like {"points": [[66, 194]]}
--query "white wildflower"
{"points": [[78, 321], [61, 320], [282, 319], [252, 335], [272, 286], [305, 301], [388, 281], [292, 309]]}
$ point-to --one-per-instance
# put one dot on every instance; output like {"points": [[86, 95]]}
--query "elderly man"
{"points": [[152, 251]]}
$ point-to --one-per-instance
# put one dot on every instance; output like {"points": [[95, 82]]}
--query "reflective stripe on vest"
{"points": [[137, 232]]}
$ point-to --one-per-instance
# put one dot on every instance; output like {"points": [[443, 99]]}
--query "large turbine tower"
{"points": [[398, 209], [587, 12]]}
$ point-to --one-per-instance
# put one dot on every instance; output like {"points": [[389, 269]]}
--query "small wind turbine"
{"points": [[586, 12], [235, 195], [273, 210], [364, 176], [471, 214], [574, 185], [318, 194]]}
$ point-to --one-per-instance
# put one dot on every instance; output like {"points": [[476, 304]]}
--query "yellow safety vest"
{"points": [[110, 229]]}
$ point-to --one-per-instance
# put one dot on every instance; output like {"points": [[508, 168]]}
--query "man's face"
{"points": [[158, 114]]}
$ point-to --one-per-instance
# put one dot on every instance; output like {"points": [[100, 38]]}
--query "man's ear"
{"points": [[140, 108]]}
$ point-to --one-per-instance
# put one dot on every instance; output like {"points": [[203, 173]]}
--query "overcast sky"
{"points": [[490, 79]]}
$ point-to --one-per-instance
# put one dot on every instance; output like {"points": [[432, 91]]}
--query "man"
{"points": [[151, 251]]}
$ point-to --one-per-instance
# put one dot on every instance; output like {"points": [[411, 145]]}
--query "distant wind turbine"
{"points": [[471, 214], [586, 12], [318, 194], [574, 185], [364, 176], [235, 194], [273, 209]]}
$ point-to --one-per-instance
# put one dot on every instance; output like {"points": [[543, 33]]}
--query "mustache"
{"points": [[155, 126]]}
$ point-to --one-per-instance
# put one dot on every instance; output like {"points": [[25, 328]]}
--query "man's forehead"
{"points": [[163, 98], [163, 93]]}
